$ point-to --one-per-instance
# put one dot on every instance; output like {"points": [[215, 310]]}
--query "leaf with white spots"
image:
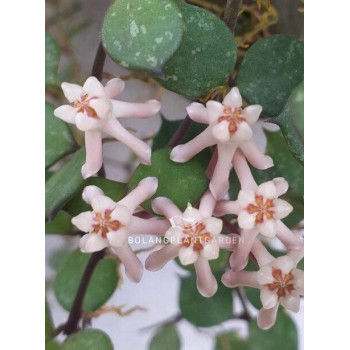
{"points": [[205, 58], [142, 34], [270, 71]]}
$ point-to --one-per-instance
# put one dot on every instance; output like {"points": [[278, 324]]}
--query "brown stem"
{"points": [[180, 132], [76, 311], [231, 13], [245, 315]]}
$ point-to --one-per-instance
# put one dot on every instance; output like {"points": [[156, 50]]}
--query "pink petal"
{"points": [[165, 207], [233, 279], [252, 113], [140, 148], [243, 172], [281, 209], [86, 123], [211, 166], [267, 189], [219, 184], [102, 106], [246, 220], [267, 317], [67, 113], [133, 266], [213, 225], [206, 282], [197, 112], [102, 203], [268, 228], [210, 251], [92, 243], [254, 156], [94, 87], [140, 226], [188, 256], [94, 160], [72, 92], [281, 185], [229, 241], [83, 221], [90, 192], [135, 110], [290, 239], [117, 238], [233, 99], [261, 254], [114, 87], [291, 302], [224, 207], [215, 110], [243, 133], [146, 188], [187, 151], [158, 259], [207, 205]]}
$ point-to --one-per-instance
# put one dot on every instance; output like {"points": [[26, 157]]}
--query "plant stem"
{"points": [[180, 132], [76, 311], [99, 61], [245, 315], [231, 13]]}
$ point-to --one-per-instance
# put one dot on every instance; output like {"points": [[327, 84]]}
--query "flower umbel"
{"points": [[94, 110]]}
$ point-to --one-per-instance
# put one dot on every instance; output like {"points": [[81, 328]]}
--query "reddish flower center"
{"points": [[233, 117], [104, 223], [282, 283], [196, 235], [83, 106], [262, 208]]}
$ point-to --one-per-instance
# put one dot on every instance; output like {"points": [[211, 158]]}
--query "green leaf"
{"points": [[204, 312], [101, 287], [291, 122], [230, 341], [112, 189], [181, 182], [64, 184], [48, 322], [297, 214], [51, 345], [88, 339], [142, 35], [283, 335], [58, 138], [52, 57], [166, 338], [270, 71], [205, 58], [61, 224]]}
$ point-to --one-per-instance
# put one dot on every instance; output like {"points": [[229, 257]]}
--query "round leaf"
{"points": [[142, 35], [101, 287], [61, 224], [204, 312], [181, 182], [52, 56], [291, 122], [205, 58], [283, 335], [270, 71], [166, 339], [230, 341], [112, 189], [58, 138], [88, 339]]}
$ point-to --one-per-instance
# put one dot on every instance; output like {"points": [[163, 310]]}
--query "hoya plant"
{"points": [[214, 194]]}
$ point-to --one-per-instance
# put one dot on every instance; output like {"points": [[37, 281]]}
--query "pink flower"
{"points": [[94, 111], [109, 224], [195, 236], [259, 210], [279, 281], [229, 128]]}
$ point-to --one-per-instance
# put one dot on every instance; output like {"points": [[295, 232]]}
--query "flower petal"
{"points": [[72, 92], [281, 185], [213, 225], [122, 214], [93, 243], [221, 131], [94, 88], [284, 263], [291, 302], [215, 110], [158, 259], [233, 279], [197, 112], [254, 156], [281, 209], [102, 106], [101, 203], [187, 256], [206, 282], [267, 190], [123, 109], [233, 98], [90, 192], [246, 197], [267, 317], [67, 113], [174, 235], [243, 133], [93, 162], [86, 123], [299, 281], [268, 228], [114, 87], [246, 220], [252, 113], [210, 250], [83, 221], [268, 298], [264, 275], [191, 216], [117, 238]]}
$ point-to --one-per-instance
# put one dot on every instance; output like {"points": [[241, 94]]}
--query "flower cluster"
{"points": [[194, 236]]}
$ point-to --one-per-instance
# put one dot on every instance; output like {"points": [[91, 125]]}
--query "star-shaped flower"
{"points": [[109, 223], [94, 110], [195, 236], [279, 281], [229, 128]]}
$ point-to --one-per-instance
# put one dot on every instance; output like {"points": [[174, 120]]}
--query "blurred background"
{"points": [[154, 301]]}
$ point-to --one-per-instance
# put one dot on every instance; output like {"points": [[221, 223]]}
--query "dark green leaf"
{"points": [[270, 71], [205, 58], [204, 312], [291, 122], [112, 189], [61, 224], [64, 184], [88, 339], [166, 339], [101, 287], [283, 335], [57, 257], [181, 182], [51, 345], [52, 57], [230, 341], [48, 322], [142, 35], [58, 138], [297, 214]]}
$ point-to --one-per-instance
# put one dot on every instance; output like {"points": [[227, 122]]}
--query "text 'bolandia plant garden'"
{"points": [[218, 193]]}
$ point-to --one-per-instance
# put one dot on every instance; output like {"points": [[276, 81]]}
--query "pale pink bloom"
{"points": [[94, 110], [259, 210], [195, 236], [278, 279], [109, 223], [230, 127]]}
